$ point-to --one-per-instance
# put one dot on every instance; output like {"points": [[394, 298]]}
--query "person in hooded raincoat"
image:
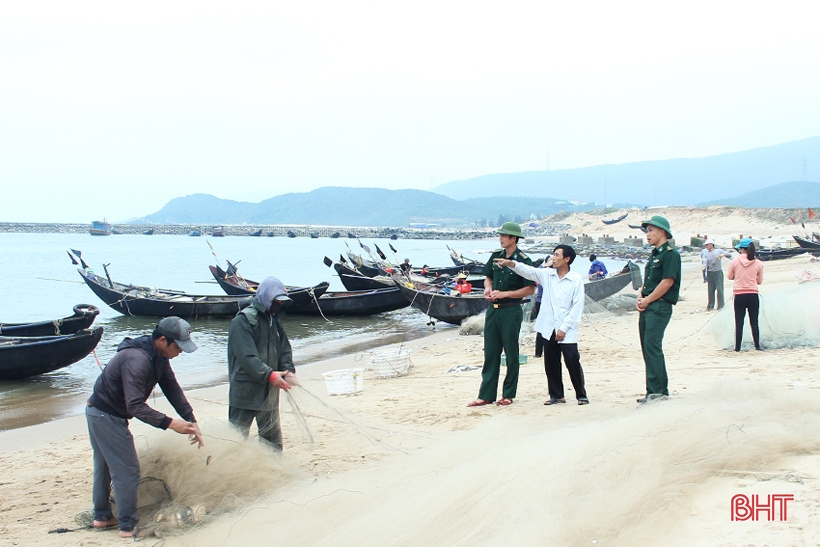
{"points": [[260, 363]]}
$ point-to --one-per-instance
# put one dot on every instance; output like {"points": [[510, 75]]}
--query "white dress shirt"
{"points": [[561, 304]]}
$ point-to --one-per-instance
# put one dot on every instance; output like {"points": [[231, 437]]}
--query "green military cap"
{"points": [[511, 229], [659, 222]]}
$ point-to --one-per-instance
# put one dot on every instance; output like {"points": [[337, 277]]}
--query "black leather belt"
{"points": [[498, 305]]}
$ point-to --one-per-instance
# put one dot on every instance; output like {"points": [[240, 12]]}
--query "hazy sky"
{"points": [[110, 109]]}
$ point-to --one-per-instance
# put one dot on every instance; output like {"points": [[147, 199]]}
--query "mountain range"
{"points": [[753, 178], [665, 182]]}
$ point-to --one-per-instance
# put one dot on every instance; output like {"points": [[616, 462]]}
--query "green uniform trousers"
{"points": [[501, 329], [651, 326]]}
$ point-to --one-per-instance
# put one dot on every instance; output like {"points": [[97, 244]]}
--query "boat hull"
{"points": [[368, 302], [84, 315], [26, 357]]}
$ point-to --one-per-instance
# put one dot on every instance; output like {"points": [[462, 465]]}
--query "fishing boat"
{"points": [[367, 302], [780, 254], [350, 235], [84, 315], [430, 300], [257, 233], [637, 227], [116, 232], [615, 220], [135, 300], [335, 235], [235, 285], [271, 234], [354, 280], [148, 232], [603, 288], [807, 244], [218, 231], [100, 228], [195, 233], [31, 356], [314, 235], [291, 233], [816, 236], [394, 237]]}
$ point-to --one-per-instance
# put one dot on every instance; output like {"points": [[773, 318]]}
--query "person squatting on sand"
{"points": [[710, 261], [260, 363], [502, 324], [120, 393], [562, 304], [746, 270], [660, 291]]}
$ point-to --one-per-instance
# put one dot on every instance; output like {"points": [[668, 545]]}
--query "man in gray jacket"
{"points": [[260, 363], [120, 393]]}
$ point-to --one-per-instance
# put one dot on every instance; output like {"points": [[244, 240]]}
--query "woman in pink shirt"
{"points": [[747, 272]]}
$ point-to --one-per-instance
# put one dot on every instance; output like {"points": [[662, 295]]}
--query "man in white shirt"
{"points": [[561, 307]]}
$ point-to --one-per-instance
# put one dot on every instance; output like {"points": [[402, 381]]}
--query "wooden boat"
{"points": [[84, 315], [638, 227], [148, 232], [335, 235], [257, 233], [236, 285], [115, 232], [30, 356], [807, 244], [100, 228], [271, 234], [195, 233], [218, 231], [779, 254], [454, 309], [350, 235], [354, 280], [614, 220], [291, 234], [394, 237], [602, 288], [135, 300], [314, 235], [367, 302], [443, 307]]}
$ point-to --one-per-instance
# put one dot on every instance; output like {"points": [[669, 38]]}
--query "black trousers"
{"points": [[539, 340], [552, 365], [267, 421], [744, 302]]}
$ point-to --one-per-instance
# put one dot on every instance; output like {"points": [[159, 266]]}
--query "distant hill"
{"points": [[355, 207], [786, 195], [666, 182]]}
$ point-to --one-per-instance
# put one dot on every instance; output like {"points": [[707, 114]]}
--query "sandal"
{"points": [[583, 401], [554, 401], [504, 402], [480, 402]]}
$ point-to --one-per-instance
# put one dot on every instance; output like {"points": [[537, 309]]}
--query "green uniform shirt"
{"points": [[663, 264], [504, 279]]}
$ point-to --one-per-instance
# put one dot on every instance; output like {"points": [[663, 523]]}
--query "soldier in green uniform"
{"points": [[504, 289], [660, 291]]}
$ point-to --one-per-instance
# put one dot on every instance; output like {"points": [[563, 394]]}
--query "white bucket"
{"points": [[344, 381], [389, 364]]}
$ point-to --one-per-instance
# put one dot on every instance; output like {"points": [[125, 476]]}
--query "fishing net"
{"points": [[789, 318]]}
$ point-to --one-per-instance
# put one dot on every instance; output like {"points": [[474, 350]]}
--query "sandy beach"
{"points": [[405, 462]]}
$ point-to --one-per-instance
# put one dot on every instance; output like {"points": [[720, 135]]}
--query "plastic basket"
{"points": [[389, 364], [344, 381], [522, 359]]}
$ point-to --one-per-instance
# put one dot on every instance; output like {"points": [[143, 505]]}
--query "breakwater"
{"points": [[273, 231]]}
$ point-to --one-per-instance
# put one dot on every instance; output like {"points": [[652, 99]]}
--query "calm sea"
{"points": [[42, 284]]}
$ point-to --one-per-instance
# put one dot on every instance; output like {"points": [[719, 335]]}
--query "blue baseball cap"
{"points": [[744, 243]]}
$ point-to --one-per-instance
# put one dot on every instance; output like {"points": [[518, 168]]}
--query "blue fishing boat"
{"points": [[100, 228]]}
